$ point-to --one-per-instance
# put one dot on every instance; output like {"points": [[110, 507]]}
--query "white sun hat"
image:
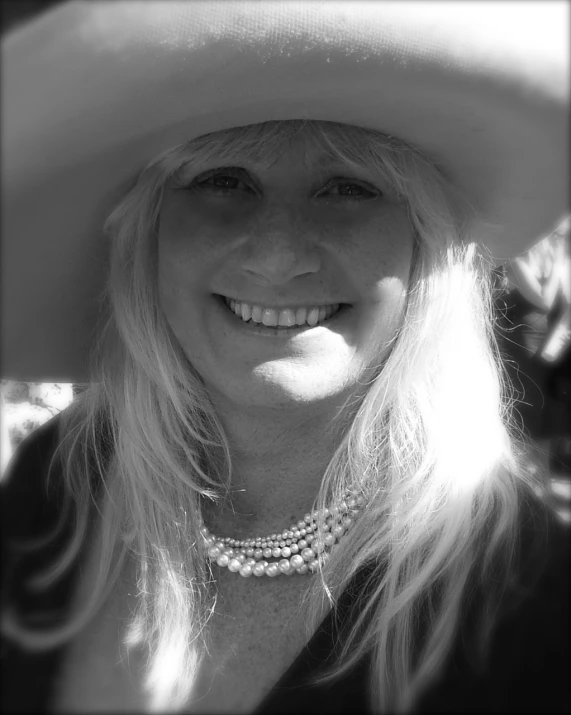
{"points": [[92, 91]]}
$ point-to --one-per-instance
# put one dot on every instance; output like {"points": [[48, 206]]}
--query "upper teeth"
{"points": [[285, 318]]}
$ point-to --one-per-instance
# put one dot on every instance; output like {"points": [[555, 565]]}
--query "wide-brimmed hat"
{"points": [[92, 91]]}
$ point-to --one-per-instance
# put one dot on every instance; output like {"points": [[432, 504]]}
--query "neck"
{"points": [[279, 458]]}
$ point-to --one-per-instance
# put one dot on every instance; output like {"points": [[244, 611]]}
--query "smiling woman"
{"points": [[290, 242], [296, 375]]}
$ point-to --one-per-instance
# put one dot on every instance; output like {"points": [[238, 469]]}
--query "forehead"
{"points": [[308, 144], [311, 160]]}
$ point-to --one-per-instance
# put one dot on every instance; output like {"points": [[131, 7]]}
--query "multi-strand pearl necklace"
{"points": [[303, 548]]}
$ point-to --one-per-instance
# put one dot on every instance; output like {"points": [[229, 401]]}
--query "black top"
{"points": [[528, 669]]}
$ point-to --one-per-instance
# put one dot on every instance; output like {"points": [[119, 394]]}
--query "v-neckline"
{"points": [[318, 653]]}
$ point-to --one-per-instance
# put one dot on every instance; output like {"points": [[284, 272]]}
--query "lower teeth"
{"points": [[280, 327]]}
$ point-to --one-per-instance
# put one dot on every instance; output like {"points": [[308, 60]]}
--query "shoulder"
{"points": [[33, 451], [25, 486], [31, 510], [527, 665]]}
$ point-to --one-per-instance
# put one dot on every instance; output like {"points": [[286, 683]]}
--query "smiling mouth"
{"points": [[286, 319]]}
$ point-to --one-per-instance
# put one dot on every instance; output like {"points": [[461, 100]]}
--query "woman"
{"points": [[295, 370]]}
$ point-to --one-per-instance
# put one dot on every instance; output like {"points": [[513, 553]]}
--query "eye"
{"points": [[351, 190], [222, 182]]}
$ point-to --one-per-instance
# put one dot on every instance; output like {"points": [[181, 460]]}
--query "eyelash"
{"points": [[202, 185]]}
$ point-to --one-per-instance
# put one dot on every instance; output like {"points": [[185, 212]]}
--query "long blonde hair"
{"points": [[431, 445]]}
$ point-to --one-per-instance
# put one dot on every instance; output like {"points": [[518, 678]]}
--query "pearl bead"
{"points": [[259, 569], [302, 548], [297, 561], [234, 565]]}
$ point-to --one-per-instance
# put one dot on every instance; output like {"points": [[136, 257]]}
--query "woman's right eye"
{"points": [[221, 184]]}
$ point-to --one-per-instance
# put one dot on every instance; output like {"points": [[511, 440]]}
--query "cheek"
{"points": [[183, 259], [381, 260], [379, 253], [178, 276]]}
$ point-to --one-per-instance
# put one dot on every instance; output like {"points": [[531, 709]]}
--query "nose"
{"points": [[278, 250]]}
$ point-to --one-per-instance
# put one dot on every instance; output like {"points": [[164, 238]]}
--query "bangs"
{"points": [[266, 142]]}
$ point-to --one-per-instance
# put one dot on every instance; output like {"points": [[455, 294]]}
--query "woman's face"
{"points": [[299, 235]]}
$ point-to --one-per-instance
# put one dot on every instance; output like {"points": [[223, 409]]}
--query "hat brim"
{"points": [[92, 92]]}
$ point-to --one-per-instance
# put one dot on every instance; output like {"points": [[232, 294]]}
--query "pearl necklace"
{"points": [[302, 549]]}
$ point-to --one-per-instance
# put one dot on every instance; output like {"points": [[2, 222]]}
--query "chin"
{"points": [[281, 388]]}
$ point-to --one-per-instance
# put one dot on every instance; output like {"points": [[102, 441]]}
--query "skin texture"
{"points": [[299, 233]]}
